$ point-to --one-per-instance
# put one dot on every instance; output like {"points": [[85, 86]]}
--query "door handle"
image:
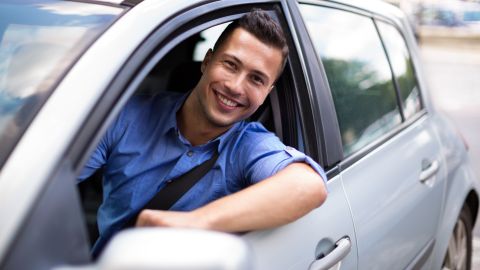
{"points": [[342, 248], [428, 170]]}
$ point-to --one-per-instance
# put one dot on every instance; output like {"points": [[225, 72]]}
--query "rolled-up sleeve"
{"points": [[297, 156], [264, 155]]}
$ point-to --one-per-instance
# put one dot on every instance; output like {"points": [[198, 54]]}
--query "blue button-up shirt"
{"points": [[143, 150]]}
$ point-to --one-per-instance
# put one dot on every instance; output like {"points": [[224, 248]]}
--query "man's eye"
{"points": [[229, 64], [257, 80]]}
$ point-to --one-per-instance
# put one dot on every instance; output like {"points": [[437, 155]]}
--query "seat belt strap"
{"points": [[175, 189]]}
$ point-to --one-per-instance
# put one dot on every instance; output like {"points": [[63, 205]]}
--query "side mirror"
{"points": [[175, 249]]}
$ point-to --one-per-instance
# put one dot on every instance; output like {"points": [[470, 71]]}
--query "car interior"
{"points": [[178, 71]]}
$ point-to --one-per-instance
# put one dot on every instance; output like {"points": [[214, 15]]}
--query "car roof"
{"points": [[377, 7], [374, 6], [118, 2]]}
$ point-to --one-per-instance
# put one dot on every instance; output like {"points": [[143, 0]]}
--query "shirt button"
{"points": [[189, 153], [169, 181]]}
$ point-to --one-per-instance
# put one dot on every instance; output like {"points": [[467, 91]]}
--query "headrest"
{"points": [[184, 77]]}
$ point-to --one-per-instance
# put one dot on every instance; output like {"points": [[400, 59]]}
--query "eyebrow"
{"points": [[257, 72]]}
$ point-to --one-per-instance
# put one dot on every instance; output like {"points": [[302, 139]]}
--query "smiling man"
{"points": [[257, 182]]}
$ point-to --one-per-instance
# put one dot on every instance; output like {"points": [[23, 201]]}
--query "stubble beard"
{"points": [[207, 114]]}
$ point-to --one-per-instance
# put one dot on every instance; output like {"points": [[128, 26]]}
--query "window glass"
{"points": [[402, 68], [358, 74], [38, 41]]}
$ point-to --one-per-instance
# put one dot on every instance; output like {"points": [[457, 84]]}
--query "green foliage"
{"points": [[361, 99]]}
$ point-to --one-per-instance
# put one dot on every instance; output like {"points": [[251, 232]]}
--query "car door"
{"points": [[392, 159]]}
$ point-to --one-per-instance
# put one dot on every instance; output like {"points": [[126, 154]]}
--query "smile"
{"points": [[226, 101]]}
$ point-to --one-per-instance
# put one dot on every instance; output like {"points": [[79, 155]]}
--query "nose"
{"points": [[235, 84]]}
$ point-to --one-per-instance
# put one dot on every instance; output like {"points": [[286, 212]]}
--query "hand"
{"points": [[161, 218]]}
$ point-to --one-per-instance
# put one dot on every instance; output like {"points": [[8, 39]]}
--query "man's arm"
{"points": [[280, 199]]}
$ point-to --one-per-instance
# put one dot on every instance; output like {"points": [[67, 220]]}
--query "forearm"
{"points": [[280, 199]]}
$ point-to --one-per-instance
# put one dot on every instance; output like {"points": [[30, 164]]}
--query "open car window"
{"points": [[179, 71]]}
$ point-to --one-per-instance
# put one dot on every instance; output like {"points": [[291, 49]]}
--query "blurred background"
{"points": [[448, 34]]}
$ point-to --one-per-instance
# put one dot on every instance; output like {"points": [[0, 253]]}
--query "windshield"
{"points": [[39, 41]]}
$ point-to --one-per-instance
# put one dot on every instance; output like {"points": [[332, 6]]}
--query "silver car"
{"points": [[402, 194]]}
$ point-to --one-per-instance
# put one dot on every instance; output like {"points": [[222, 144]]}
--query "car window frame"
{"points": [[391, 91], [159, 44], [166, 36], [325, 136], [346, 161]]}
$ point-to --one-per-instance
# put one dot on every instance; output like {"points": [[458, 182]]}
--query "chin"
{"points": [[221, 122]]}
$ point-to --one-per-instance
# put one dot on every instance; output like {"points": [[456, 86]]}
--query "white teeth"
{"points": [[226, 101]]}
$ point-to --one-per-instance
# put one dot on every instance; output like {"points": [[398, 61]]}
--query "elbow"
{"points": [[308, 197], [324, 194], [306, 191], [314, 193], [320, 193]]}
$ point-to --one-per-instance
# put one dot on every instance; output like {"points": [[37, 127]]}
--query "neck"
{"points": [[194, 125]]}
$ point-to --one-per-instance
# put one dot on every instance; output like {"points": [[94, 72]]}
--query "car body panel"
{"points": [[368, 247], [55, 216], [461, 185], [296, 245], [387, 235]]}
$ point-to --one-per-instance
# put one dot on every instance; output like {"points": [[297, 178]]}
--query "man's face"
{"points": [[237, 78]]}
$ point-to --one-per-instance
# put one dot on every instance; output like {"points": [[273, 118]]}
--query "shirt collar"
{"points": [[224, 138], [171, 124]]}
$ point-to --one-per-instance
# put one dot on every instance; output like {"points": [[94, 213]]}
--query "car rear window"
{"points": [[402, 66], [39, 41], [358, 74]]}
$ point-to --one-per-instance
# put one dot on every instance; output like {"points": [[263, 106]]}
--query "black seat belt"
{"points": [[175, 189]]}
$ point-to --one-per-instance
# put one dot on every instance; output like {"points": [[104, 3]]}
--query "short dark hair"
{"points": [[258, 23]]}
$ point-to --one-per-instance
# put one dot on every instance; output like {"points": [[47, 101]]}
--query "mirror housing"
{"points": [[175, 249]]}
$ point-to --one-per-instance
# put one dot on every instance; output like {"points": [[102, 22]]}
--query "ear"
{"points": [[206, 60]]}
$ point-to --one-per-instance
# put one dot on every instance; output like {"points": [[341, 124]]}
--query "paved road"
{"points": [[453, 75]]}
